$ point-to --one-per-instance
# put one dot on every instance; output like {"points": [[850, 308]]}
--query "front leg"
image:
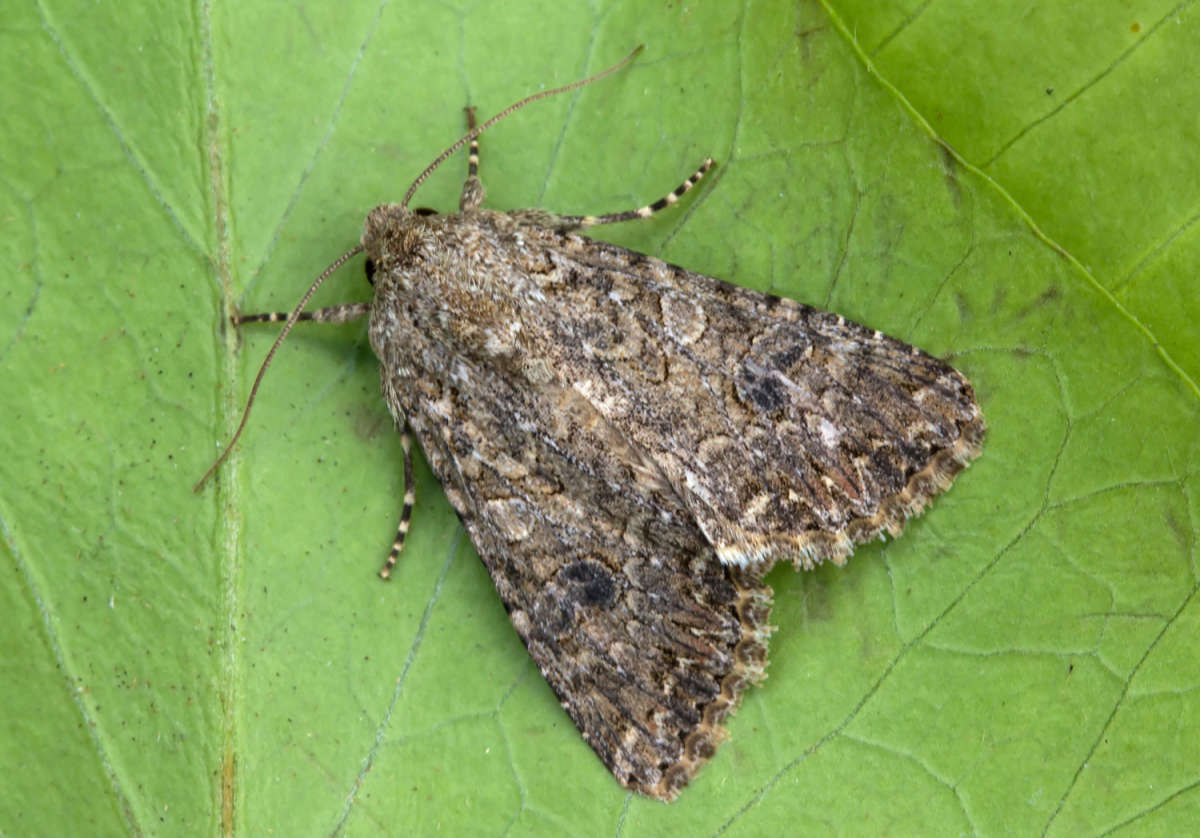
{"points": [[341, 313], [567, 223]]}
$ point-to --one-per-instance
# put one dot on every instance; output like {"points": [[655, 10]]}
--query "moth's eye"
{"points": [[370, 266], [424, 211]]}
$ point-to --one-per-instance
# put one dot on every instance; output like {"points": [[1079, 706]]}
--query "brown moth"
{"points": [[631, 446]]}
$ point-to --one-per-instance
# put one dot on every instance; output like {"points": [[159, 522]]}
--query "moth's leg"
{"points": [[574, 222], [406, 513], [472, 191], [342, 313]]}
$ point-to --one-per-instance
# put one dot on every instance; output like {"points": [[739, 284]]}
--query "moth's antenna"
{"points": [[479, 129], [287, 327]]}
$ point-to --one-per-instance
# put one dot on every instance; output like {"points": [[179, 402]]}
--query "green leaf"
{"points": [[1013, 189]]}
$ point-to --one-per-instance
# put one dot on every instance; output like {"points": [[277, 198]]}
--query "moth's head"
{"points": [[391, 237]]}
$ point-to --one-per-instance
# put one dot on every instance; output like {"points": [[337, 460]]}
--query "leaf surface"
{"points": [[1014, 190]]}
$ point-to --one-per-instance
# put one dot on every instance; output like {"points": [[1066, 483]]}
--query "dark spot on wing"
{"points": [[589, 584], [763, 391]]}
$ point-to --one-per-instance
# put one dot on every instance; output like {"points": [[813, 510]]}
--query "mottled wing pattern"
{"points": [[645, 637], [788, 432], [630, 445]]}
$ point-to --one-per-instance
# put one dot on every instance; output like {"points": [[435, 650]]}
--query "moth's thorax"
{"points": [[460, 280], [472, 248]]}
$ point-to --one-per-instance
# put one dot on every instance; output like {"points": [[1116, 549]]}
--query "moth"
{"points": [[632, 445]]}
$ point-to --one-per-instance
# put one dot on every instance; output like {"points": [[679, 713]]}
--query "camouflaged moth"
{"points": [[631, 446]]}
